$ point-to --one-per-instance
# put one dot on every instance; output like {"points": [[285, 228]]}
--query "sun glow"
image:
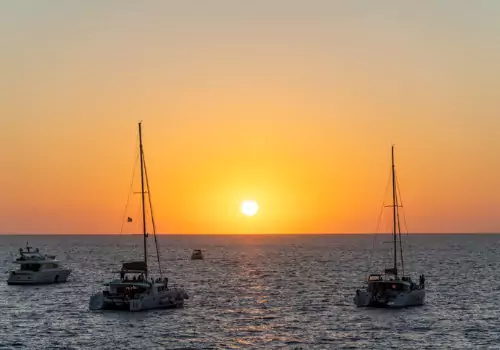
{"points": [[249, 208]]}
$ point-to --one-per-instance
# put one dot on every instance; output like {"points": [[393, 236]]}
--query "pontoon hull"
{"points": [[416, 297], [173, 298], [40, 277]]}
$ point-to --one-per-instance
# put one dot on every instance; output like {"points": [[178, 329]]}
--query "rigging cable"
{"points": [[398, 200], [152, 217], [405, 223], [370, 265], [129, 193], [127, 204]]}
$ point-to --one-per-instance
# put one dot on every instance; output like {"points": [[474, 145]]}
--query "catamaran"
{"points": [[135, 290], [392, 289]]}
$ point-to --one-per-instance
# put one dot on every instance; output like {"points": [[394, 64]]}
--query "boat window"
{"points": [[30, 267], [50, 266]]}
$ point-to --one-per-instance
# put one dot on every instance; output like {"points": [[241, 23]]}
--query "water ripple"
{"points": [[290, 292]]}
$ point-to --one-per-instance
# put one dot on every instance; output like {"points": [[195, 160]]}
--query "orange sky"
{"points": [[294, 104]]}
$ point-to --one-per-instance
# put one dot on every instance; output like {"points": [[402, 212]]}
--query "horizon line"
{"points": [[243, 234]]}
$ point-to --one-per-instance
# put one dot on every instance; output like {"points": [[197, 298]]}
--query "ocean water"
{"points": [[259, 291]]}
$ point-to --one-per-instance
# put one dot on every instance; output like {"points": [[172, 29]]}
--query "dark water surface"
{"points": [[260, 292]]}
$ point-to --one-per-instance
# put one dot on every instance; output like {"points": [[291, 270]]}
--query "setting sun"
{"points": [[249, 208]]}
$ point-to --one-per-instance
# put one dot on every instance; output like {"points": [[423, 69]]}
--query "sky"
{"points": [[293, 104]]}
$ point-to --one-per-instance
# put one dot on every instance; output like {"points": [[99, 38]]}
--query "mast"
{"points": [[394, 212], [143, 201]]}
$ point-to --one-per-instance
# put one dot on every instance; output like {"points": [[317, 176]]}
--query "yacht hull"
{"points": [[170, 299], [416, 297], [40, 277]]}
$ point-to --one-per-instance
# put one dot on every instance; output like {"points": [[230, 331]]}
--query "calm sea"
{"points": [[259, 291]]}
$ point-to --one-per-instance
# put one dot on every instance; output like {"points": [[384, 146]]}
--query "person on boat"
{"points": [[422, 281], [134, 279], [122, 275]]}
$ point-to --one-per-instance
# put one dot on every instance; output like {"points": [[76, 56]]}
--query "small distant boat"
{"points": [[37, 268], [135, 290], [392, 289], [197, 255]]}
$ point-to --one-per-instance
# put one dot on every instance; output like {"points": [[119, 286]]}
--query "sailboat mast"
{"points": [[394, 211], [143, 201]]}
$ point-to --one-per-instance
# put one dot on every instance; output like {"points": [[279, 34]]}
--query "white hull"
{"points": [[48, 276], [416, 297], [171, 298]]}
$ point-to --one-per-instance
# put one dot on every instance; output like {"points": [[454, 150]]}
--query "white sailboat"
{"points": [[392, 289], [135, 290]]}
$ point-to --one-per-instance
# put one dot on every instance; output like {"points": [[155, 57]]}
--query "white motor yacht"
{"points": [[36, 268]]}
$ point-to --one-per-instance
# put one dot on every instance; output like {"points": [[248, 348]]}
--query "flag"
{"points": [[129, 219]]}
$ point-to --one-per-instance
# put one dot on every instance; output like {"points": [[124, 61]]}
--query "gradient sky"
{"points": [[292, 103]]}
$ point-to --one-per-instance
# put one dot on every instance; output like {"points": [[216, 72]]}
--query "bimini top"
{"points": [[29, 256], [134, 266]]}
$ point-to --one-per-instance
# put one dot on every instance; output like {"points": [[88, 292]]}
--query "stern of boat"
{"points": [[61, 275], [414, 298], [362, 298], [169, 299], [96, 301], [182, 294], [16, 277]]}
